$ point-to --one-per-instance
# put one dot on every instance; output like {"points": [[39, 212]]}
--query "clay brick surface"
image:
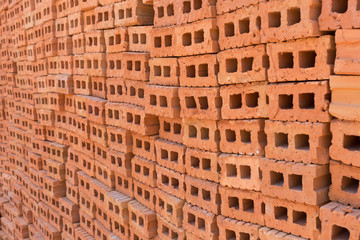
{"points": [[162, 101], [171, 129], [170, 181], [233, 228]]}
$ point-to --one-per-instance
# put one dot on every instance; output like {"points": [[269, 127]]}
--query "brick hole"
{"points": [[245, 136], [157, 71], [192, 131], [168, 41], [195, 162], [161, 203], [235, 101], [141, 93], [281, 140], [276, 178], [206, 164], [351, 142], [135, 38], [146, 171], [137, 168], [169, 208], [128, 12], [229, 29], [165, 180], [231, 170], [139, 191], [186, 39], [339, 6], [252, 99], [170, 10], [245, 172], [137, 119], [163, 101], [197, 4], [233, 202], [295, 182], [203, 70], [206, 195], [307, 101], [339, 233], [201, 224], [190, 102], [286, 101], [137, 66], [190, 71], [204, 133], [349, 184], [281, 213], [230, 235], [167, 127], [141, 221], [186, 6], [357, 5], [247, 64], [129, 117], [175, 183], [153, 100], [166, 71], [302, 142], [307, 59], [118, 64], [231, 65], [129, 65], [248, 205], [286, 60], [244, 25], [119, 90], [293, 16], [230, 135], [143, 38], [331, 55], [274, 19], [177, 128], [164, 154], [160, 12], [157, 42], [299, 218], [199, 36], [174, 156], [203, 101]]}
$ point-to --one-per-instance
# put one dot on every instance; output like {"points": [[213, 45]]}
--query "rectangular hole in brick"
{"points": [[299, 218], [143, 38], [163, 101], [230, 135], [307, 101], [175, 183], [118, 64], [245, 136], [166, 71], [201, 224], [192, 131], [233, 202], [190, 102], [307, 59], [111, 41], [231, 65], [195, 162], [170, 10], [146, 171], [351, 142], [157, 71], [174, 156], [160, 11], [165, 180], [281, 213], [169, 208], [276, 178], [245, 172], [286, 60], [252, 99], [248, 205], [168, 41], [281, 140], [137, 168], [199, 36], [231, 170], [128, 12], [244, 25], [153, 100], [286, 101], [194, 191], [206, 164], [147, 146], [339, 233], [190, 71], [295, 182], [230, 235], [186, 6], [204, 133], [164, 154], [293, 16], [137, 66], [167, 127], [132, 91], [129, 117], [203, 70], [302, 142], [197, 4], [129, 65], [229, 29], [165, 230], [339, 6], [247, 64], [191, 219], [186, 39], [203, 101], [274, 19], [137, 119], [206, 195], [349, 184], [177, 128], [138, 143], [135, 38], [235, 101], [157, 42]]}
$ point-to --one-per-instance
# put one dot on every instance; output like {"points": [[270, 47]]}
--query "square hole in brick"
{"points": [[170, 10], [175, 183], [186, 39], [199, 36], [286, 60], [307, 100], [201, 224], [286, 101], [247, 64], [204, 133], [339, 233], [206, 195], [166, 71], [274, 19], [206, 164], [299, 218], [248, 205], [203, 101], [191, 219], [229, 29], [281, 140], [190, 71], [245, 136], [302, 142], [231, 170], [295, 182], [349, 184], [190, 102], [233, 202], [339, 6], [203, 70], [307, 59], [194, 191], [197, 4], [157, 42], [195, 162], [351, 142], [245, 172], [174, 156], [252, 99], [230, 135], [293, 16], [244, 25], [186, 6], [153, 100], [281, 213], [192, 131], [128, 12], [163, 101], [177, 128], [276, 178], [231, 65], [230, 235], [235, 101]]}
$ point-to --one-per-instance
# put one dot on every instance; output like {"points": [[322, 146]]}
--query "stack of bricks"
{"points": [[179, 119]]}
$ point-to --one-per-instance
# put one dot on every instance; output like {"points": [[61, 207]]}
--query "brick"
{"points": [[89, 18], [242, 205], [142, 219], [144, 146], [162, 101], [170, 181], [61, 27], [105, 174], [139, 38], [88, 4], [199, 71], [102, 232], [86, 222], [250, 65], [78, 65], [144, 171], [95, 109], [95, 64], [168, 231], [82, 234], [95, 41], [201, 134], [124, 184], [98, 87], [137, 66], [119, 161], [101, 218], [76, 23], [165, 13], [346, 58], [69, 210], [170, 155], [65, 65], [144, 194], [299, 142], [344, 100], [242, 101], [337, 222], [299, 101], [104, 16], [115, 66], [231, 228], [223, 6], [301, 59], [128, 13], [171, 129], [200, 222], [117, 204], [119, 139], [116, 40], [295, 218], [239, 171], [344, 184], [242, 136], [269, 233], [239, 28], [164, 42], [164, 71], [55, 169], [82, 85]]}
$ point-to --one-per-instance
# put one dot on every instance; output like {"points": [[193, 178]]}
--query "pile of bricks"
{"points": [[179, 119]]}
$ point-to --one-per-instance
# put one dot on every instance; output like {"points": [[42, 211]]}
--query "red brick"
{"points": [[119, 139], [136, 66], [186, 11], [299, 142], [78, 65], [346, 58], [82, 234], [88, 4], [95, 64], [168, 231], [166, 13], [76, 23], [144, 194], [144, 146], [301, 59], [165, 71], [164, 42], [162, 101], [117, 204], [119, 161], [104, 16], [94, 41], [127, 13], [143, 170], [243, 65], [117, 40], [244, 101], [139, 38], [170, 181], [200, 222], [69, 210], [142, 219], [89, 18], [170, 155], [101, 232], [242, 205], [82, 84], [124, 184], [344, 97], [231, 228], [61, 27], [171, 129], [55, 169], [273, 234], [299, 101], [95, 109], [115, 65]]}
